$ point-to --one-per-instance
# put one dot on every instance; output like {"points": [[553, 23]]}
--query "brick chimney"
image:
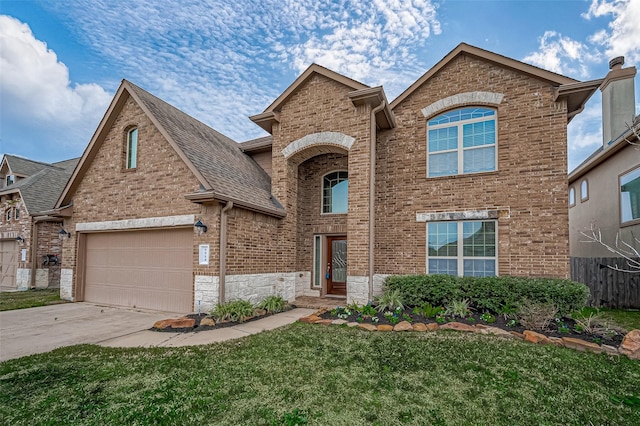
{"points": [[618, 100]]}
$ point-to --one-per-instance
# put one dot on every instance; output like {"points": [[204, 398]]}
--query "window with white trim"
{"points": [[131, 155], [461, 141], [7, 215], [630, 196], [462, 248], [10, 180], [335, 192], [16, 213], [572, 197]]}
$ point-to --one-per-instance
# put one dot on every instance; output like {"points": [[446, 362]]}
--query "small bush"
{"points": [[236, 310], [537, 316], [390, 300], [273, 304], [458, 308], [489, 293], [427, 310]]}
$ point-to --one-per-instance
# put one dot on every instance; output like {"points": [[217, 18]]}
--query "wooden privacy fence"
{"points": [[608, 287]]}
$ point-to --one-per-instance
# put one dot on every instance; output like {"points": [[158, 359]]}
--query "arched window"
{"points": [[462, 141], [584, 190], [131, 155], [335, 192], [572, 197]]}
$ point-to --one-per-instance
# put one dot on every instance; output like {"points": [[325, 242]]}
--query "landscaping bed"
{"points": [[559, 327]]}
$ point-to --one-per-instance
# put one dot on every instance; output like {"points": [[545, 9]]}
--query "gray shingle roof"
{"points": [[257, 144], [229, 172], [44, 184]]}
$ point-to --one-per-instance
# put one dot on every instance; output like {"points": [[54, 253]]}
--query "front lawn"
{"points": [[29, 299], [324, 376], [629, 319]]}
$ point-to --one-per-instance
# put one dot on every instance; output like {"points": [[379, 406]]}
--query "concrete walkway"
{"points": [[149, 339]]}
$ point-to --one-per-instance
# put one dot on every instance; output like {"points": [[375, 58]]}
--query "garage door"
{"points": [[8, 263], [142, 269]]}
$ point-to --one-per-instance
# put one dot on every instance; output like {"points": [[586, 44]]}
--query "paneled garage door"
{"points": [[143, 269], [8, 263]]}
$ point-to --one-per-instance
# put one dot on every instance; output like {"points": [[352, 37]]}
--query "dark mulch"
{"points": [[223, 324], [475, 318]]}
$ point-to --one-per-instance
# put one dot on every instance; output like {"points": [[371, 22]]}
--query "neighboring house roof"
{"points": [[224, 171], [601, 154], [576, 97], [44, 182], [256, 145]]}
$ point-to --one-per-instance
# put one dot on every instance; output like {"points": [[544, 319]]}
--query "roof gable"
{"points": [[216, 160], [552, 78]]}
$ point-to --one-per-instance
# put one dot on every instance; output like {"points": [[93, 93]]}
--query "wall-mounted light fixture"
{"points": [[19, 239], [201, 228], [64, 233]]}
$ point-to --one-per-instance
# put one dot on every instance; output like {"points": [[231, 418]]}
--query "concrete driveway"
{"points": [[36, 330]]}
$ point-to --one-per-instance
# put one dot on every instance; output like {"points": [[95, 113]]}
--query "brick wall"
{"points": [[321, 105], [251, 239], [20, 227], [530, 183], [310, 219]]}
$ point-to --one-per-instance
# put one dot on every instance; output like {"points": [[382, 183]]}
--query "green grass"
{"points": [[29, 299], [326, 375], [625, 318]]}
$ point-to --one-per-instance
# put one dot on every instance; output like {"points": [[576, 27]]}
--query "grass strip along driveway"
{"points": [[29, 299], [318, 375]]}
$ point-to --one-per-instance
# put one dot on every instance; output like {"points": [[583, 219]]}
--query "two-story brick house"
{"points": [[27, 189], [463, 173]]}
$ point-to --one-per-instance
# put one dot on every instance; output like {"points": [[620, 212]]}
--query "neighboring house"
{"points": [[461, 174], [27, 189], [604, 196]]}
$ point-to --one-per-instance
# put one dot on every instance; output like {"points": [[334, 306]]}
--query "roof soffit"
{"points": [[463, 48]]}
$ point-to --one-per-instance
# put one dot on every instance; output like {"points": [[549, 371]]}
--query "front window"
{"points": [[132, 149], [335, 192], [461, 141], [462, 248], [630, 196]]}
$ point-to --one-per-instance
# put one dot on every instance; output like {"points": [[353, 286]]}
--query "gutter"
{"points": [[372, 183], [223, 251], [210, 195]]}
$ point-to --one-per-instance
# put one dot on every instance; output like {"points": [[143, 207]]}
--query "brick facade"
{"points": [[528, 185]]}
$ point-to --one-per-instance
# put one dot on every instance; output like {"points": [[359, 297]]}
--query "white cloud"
{"points": [[584, 133], [563, 55], [36, 84], [622, 38]]}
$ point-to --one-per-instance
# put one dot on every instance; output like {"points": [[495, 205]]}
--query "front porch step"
{"points": [[319, 302]]}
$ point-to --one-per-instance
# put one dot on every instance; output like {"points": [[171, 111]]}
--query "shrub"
{"points": [[489, 293], [416, 290], [273, 304], [427, 310], [458, 308], [390, 300], [236, 310], [536, 315]]}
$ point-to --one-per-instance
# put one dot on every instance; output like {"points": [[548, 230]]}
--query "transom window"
{"points": [[630, 196], [462, 248], [461, 141], [335, 192], [132, 149]]}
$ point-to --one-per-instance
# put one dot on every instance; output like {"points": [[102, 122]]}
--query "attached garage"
{"points": [[8, 263], [150, 269]]}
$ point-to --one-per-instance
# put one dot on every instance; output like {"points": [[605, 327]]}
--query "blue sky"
{"points": [[221, 61]]}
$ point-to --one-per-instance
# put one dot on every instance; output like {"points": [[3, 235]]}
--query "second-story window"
{"points": [[10, 180], [461, 141], [132, 149]]}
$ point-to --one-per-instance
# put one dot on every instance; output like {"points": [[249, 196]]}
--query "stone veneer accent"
{"points": [[147, 222], [23, 278], [322, 138], [462, 99], [66, 284], [357, 289], [251, 287], [464, 215]]}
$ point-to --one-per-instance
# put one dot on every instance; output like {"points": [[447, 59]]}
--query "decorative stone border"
{"points": [[630, 344]]}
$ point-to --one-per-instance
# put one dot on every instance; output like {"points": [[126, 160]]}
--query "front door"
{"points": [[336, 272]]}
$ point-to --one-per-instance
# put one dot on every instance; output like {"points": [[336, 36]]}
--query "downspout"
{"points": [[34, 261], [223, 250], [372, 193]]}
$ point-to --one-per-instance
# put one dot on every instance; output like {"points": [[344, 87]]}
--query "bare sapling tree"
{"points": [[622, 248], [636, 132]]}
